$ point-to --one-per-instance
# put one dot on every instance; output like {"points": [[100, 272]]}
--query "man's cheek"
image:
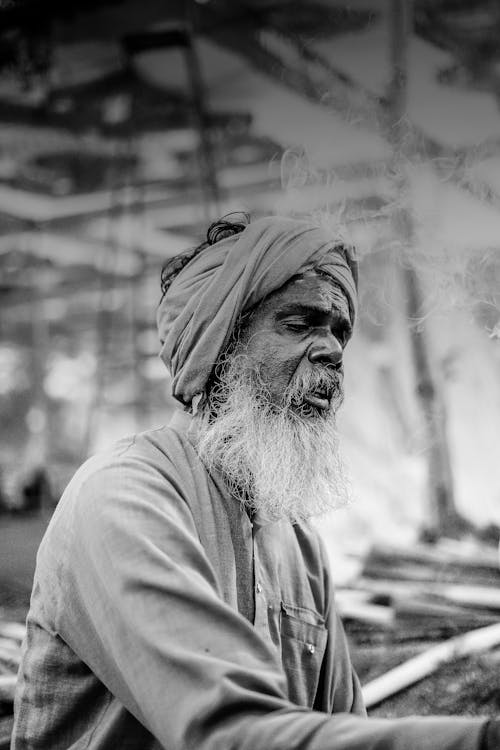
{"points": [[277, 372], [292, 377]]}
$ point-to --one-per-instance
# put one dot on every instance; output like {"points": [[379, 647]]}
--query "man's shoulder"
{"points": [[133, 490], [155, 450], [140, 477], [164, 441], [150, 468]]}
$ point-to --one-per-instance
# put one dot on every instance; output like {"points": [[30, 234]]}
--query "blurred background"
{"points": [[126, 126]]}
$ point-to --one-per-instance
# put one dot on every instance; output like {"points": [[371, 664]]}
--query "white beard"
{"points": [[281, 461]]}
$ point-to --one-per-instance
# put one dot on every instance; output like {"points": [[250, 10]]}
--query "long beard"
{"points": [[281, 460]]}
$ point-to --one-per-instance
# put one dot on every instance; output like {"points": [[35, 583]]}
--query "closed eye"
{"points": [[308, 319], [296, 326], [341, 333]]}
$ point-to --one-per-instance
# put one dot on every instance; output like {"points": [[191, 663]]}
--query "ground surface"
{"points": [[468, 686]]}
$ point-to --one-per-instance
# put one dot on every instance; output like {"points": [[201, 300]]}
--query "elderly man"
{"points": [[181, 599]]}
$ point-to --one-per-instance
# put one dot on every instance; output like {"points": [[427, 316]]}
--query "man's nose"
{"points": [[325, 350]]}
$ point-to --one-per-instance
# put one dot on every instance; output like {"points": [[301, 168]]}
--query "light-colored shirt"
{"points": [[162, 616]]}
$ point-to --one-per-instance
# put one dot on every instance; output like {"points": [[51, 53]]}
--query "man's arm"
{"points": [[147, 617]]}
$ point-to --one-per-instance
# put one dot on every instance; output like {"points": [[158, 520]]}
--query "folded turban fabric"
{"points": [[204, 301]]}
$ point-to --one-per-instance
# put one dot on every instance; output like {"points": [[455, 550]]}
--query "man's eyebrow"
{"points": [[311, 309], [292, 308]]}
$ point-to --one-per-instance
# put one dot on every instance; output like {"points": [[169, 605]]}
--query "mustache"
{"points": [[327, 380]]}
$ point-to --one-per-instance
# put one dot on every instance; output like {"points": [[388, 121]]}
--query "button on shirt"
{"points": [[163, 617]]}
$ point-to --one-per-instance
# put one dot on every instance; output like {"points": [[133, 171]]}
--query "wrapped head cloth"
{"points": [[202, 304]]}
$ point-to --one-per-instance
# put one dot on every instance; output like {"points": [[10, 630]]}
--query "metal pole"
{"points": [[38, 445], [442, 512], [206, 153]]}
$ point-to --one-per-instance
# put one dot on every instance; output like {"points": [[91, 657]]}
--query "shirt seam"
{"points": [[100, 720]]}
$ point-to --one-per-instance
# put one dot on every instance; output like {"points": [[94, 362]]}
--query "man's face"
{"points": [[269, 425], [297, 332]]}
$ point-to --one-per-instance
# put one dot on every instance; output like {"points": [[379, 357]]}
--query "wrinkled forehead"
{"points": [[308, 289]]}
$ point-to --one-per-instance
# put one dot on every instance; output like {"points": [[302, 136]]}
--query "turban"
{"points": [[200, 308]]}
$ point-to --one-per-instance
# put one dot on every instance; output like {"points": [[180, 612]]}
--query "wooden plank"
{"points": [[7, 687], [431, 564], [12, 630], [369, 613], [428, 662], [422, 607], [483, 597]]}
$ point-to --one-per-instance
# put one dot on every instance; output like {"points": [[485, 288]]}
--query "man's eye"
{"points": [[295, 326]]}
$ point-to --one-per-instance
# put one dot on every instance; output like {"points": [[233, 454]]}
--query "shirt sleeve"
{"points": [[142, 608]]}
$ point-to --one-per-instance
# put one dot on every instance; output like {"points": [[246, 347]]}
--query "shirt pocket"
{"points": [[303, 643]]}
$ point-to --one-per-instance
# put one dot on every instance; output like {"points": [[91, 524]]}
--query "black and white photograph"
{"points": [[249, 375]]}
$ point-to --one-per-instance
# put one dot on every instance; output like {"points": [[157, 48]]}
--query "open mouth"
{"points": [[320, 399]]}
